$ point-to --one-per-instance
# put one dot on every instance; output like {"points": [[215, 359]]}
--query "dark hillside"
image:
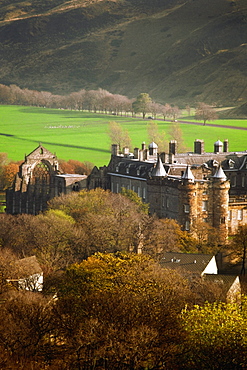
{"points": [[178, 51]]}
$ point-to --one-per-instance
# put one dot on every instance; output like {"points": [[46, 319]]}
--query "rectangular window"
{"points": [[186, 208], [138, 191], [187, 225], [144, 193], [229, 215], [234, 181], [240, 214], [243, 181], [204, 205], [117, 187]]}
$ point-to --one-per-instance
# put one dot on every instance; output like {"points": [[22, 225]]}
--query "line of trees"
{"points": [[91, 100], [101, 101]]}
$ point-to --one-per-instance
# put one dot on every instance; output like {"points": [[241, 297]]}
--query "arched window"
{"points": [[41, 174]]}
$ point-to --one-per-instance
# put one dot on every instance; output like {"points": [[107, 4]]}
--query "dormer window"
{"points": [[117, 169], [138, 172], [231, 163], [186, 208], [127, 170]]}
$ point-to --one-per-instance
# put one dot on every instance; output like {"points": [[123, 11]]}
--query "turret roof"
{"points": [[220, 174], [159, 170], [153, 145], [188, 175]]}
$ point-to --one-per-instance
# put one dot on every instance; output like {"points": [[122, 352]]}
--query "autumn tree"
{"points": [[7, 261], [110, 222], [118, 135], [77, 167], [205, 112], [53, 237], [142, 104], [206, 236], [239, 246], [26, 328], [121, 310], [8, 174], [216, 336], [154, 135], [132, 195], [165, 235], [176, 133]]}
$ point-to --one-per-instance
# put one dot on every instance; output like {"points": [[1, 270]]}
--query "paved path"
{"points": [[213, 125]]}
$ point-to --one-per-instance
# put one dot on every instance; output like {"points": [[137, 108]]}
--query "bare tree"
{"points": [[205, 112], [166, 110], [174, 112]]}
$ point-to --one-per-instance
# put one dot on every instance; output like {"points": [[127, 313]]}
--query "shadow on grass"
{"points": [[56, 144], [64, 112]]}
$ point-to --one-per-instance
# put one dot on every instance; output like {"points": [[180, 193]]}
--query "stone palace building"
{"points": [[187, 187]]}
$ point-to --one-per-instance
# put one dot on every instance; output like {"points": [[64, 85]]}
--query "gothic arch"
{"points": [[41, 173]]}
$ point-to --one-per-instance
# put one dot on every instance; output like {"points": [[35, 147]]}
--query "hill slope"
{"points": [[178, 51]]}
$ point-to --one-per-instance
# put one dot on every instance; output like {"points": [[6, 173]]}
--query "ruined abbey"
{"points": [[187, 187]]}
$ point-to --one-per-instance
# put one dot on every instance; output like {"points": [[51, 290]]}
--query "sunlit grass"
{"points": [[83, 136]]}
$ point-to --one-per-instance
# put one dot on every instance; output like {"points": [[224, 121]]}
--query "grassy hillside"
{"points": [[178, 51], [83, 136]]}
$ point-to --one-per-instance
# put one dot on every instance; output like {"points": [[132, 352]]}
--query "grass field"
{"points": [[83, 136]]}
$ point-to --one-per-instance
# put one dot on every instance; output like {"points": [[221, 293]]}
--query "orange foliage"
{"points": [[73, 166], [9, 172]]}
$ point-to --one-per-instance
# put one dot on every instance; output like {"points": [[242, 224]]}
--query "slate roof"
{"points": [[132, 168], [224, 281], [192, 262], [239, 158]]}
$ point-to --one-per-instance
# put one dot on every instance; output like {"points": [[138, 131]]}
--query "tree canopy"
{"points": [[142, 104]]}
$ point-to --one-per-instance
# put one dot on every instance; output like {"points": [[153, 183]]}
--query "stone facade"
{"points": [[187, 187], [38, 181]]}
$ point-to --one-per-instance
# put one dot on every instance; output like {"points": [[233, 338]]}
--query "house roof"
{"points": [[72, 178], [224, 281], [192, 262]]}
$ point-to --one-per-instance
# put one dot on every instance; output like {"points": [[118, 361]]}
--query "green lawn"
{"points": [[83, 136]]}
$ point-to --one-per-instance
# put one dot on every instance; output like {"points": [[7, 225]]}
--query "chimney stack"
{"points": [[226, 146], [173, 147], [198, 146]]}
